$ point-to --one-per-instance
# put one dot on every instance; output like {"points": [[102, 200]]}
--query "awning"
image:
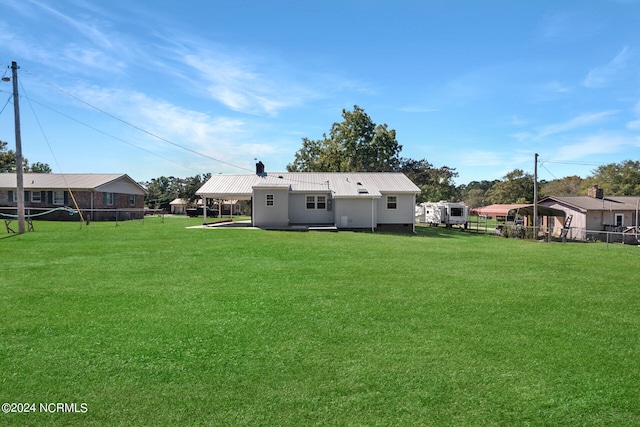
{"points": [[542, 211]]}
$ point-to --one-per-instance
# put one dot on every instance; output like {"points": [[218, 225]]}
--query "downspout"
{"points": [[372, 207], [413, 214]]}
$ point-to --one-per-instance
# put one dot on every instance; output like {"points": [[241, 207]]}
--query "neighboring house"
{"points": [[100, 197], [227, 207], [366, 200], [594, 213], [179, 206], [501, 212]]}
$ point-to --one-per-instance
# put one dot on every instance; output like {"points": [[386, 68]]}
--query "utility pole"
{"points": [[19, 171], [535, 197]]}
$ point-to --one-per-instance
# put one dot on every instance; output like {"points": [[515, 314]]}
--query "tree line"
{"points": [[357, 144]]}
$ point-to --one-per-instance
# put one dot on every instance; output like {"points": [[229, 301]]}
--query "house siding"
{"points": [[271, 216], [592, 223], [299, 214], [355, 213], [403, 214]]}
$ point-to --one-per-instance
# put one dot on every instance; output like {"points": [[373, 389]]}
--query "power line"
{"points": [[135, 126], [111, 136]]}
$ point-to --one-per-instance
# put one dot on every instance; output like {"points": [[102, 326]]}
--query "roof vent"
{"points": [[363, 191]]}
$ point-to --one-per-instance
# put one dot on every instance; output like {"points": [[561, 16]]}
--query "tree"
{"points": [[516, 187], [8, 162], [473, 194], [163, 190], [436, 183], [567, 186], [356, 144], [38, 167], [617, 179]]}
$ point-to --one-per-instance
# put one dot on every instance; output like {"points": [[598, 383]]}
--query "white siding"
{"points": [[358, 213], [299, 214], [271, 216]]}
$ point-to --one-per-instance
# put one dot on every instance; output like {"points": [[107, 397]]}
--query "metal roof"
{"points": [[586, 203], [340, 184], [53, 181]]}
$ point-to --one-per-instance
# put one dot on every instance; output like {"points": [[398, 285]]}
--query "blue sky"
{"points": [[156, 87]]}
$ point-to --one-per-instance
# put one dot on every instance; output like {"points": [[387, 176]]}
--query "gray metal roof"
{"points": [[53, 181], [340, 184], [586, 203]]}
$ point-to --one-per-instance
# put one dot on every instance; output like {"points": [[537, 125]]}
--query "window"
{"points": [[619, 220], [10, 195], [36, 196], [58, 197], [392, 202], [316, 202], [322, 202], [311, 202], [109, 199], [131, 199], [269, 199]]}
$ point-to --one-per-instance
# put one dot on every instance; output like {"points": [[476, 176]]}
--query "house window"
{"points": [[619, 220], [269, 199], [58, 197], [316, 202], [10, 196], [321, 202], [131, 199], [109, 199], [36, 196], [392, 202]]}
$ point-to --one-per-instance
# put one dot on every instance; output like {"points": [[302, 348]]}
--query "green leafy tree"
{"points": [[516, 187], [190, 185], [567, 186], [356, 144], [473, 194], [8, 162], [163, 190], [38, 167], [435, 183], [616, 179]]}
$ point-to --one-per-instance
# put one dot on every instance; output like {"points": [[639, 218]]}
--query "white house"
{"points": [[363, 200]]}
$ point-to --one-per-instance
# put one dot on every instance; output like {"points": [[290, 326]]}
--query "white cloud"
{"points": [[603, 75], [605, 143], [482, 158], [239, 86], [580, 121]]}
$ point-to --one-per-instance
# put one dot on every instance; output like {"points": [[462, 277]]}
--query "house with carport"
{"points": [[345, 200], [595, 215]]}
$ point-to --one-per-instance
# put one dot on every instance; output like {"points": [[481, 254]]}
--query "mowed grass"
{"points": [[150, 323]]}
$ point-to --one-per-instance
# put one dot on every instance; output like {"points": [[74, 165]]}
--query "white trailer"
{"points": [[442, 212]]}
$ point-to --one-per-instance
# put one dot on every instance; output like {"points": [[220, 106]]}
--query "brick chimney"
{"points": [[595, 192]]}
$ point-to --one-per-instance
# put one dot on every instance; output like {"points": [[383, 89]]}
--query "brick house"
{"points": [[100, 197]]}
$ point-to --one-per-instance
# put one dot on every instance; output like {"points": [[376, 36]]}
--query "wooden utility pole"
{"points": [[19, 169], [535, 197]]}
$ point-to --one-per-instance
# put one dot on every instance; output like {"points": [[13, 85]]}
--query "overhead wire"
{"points": [[73, 197], [112, 136], [135, 126]]}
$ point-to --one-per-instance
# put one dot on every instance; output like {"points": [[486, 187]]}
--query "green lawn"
{"points": [[149, 323]]}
